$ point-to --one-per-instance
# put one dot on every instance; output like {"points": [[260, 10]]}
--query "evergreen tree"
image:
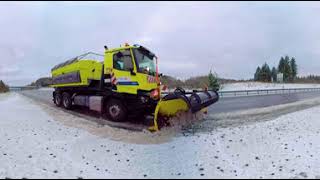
{"points": [[286, 66], [265, 74], [281, 65], [294, 69], [257, 74], [274, 74], [213, 81], [287, 69]]}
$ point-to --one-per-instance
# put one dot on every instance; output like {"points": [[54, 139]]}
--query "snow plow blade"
{"points": [[180, 101]]}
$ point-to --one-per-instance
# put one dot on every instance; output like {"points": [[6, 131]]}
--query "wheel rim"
{"points": [[66, 102], [58, 99], [114, 111]]}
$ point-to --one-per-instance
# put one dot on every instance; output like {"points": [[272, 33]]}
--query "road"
{"points": [[231, 104], [224, 105], [45, 96], [228, 104]]}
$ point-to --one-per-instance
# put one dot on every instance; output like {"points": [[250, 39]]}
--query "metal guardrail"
{"points": [[265, 92], [20, 88], [223, 93]]}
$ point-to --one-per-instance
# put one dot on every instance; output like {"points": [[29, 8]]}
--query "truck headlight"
{"points": [[155, 94]]}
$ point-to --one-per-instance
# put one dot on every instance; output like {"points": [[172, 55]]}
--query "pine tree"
{"points": [[287, 69], [274, 74], [265, 73], [257, 74], [213, 81], [286, 66], [281, 65], [294, 68]]}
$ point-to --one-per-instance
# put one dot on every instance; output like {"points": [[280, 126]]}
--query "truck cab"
{"points": [[131, 69]]}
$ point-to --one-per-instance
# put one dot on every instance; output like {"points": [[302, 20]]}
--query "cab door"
{"points": [[124, 72]]}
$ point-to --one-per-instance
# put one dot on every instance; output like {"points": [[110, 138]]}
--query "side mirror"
{"points": [[131, 71]]}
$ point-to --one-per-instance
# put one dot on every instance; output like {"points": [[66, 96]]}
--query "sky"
{"points": [[190, 38]]}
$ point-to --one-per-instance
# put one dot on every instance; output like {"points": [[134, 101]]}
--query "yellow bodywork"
{"points": [[172, 107], [89, 69], [140, 78], [168, 108], [92, 70]]}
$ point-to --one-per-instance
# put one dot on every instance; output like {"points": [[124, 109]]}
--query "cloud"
{"points": [[180, 66], [144, 40], [233, 38], [9, 71]]}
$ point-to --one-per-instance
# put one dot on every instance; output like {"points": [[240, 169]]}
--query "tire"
{"points": [[66, 100], [115, 110], [58, 99]]}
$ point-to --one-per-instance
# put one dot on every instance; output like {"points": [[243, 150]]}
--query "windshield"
{"points": [[145, 62]]}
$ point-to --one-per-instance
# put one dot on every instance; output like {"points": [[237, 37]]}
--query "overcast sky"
{"points": [[232, 38]]}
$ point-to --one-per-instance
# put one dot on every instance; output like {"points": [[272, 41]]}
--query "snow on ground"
{"points": [[36, 143], [259, 85]]}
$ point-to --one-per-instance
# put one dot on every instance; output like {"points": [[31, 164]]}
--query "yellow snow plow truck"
{"points": [[125, 83]]}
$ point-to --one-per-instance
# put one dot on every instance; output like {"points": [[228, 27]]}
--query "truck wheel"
{"points": [[58, 99], [66, 100], [115, 110]]}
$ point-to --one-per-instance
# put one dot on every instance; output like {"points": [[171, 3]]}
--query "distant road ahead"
{"points": [[249, 102]]}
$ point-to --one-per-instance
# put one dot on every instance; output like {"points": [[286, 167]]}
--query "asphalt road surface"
{"points": [[230, 104], [224, 105], [227, 104], [45, 96]]}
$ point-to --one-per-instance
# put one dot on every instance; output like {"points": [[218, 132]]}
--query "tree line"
{"points": [[212, 81], [287, 66], [308, 79]]}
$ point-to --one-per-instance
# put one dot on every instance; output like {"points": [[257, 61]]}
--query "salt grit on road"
{"points": [[36, 143]]}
